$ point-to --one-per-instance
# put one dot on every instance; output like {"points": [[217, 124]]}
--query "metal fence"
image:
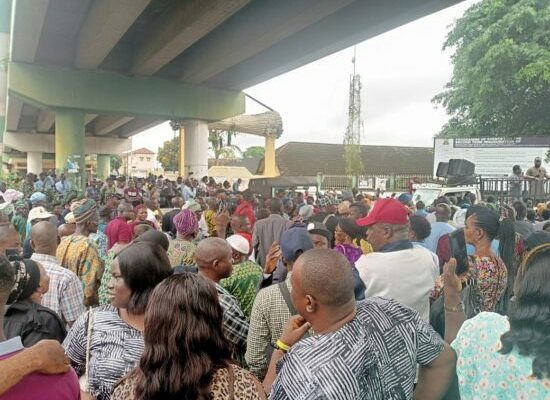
{"points": [[507, 191], [390, 182]]}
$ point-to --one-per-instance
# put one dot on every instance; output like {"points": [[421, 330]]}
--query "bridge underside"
{"points": [[123, 66]]}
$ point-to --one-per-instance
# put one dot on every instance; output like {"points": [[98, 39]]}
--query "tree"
{"points": [[221, 146], [116, 163], [168, 154], [254, 151], [501, 70]]}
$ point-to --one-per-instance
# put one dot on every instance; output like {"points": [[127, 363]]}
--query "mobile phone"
{"points": [[458, 250]]}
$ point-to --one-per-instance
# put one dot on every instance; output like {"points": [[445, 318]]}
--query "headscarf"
{"points": [[192, 205], [27, 280], [186, 222], [37, 197], [12, 195], [84, 210]]}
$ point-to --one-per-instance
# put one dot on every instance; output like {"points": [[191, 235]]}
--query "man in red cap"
{"points": [[396, 269]]}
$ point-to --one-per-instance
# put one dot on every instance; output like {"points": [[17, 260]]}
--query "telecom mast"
{"points": [[352, 137]]}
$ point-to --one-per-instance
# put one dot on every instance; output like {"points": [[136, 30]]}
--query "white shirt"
{"points": [[407, 276]]}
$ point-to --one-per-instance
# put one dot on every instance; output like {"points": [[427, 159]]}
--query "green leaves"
{"points": [[501, 70], [168, 154]]}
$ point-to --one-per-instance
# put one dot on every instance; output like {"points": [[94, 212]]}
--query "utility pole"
{"points": [[352, 137]]}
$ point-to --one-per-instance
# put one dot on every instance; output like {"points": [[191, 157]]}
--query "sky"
{"points": [[401, 71]]}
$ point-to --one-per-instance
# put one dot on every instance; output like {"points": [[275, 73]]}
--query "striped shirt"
{"points": [[115, 349], [374, 356], [65, 295]]}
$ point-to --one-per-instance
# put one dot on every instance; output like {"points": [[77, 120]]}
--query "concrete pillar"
{"points": [[103, 165], [196, 148], [270, 167], [181, 152], [69, 143], [34, 162], [5, 17]]}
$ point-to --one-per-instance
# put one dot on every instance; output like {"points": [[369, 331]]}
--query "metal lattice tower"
{"points": [[352, 137]]}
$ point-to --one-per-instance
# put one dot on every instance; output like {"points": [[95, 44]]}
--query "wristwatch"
{"points": [[458, 308]]}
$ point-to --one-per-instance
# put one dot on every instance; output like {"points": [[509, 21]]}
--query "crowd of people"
{"points": [[158, 289]]}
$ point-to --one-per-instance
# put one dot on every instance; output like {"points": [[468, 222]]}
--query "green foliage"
{"points": [[254, 151], [116, 163], [168, 154], [352, 157], [547, 158], [221, 146], [501, 78]]}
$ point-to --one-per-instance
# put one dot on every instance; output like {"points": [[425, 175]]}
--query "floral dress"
{"points": [[484, 373], [491, 276]]}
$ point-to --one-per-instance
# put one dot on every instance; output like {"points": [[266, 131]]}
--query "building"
{"points": [[309, 159], [392, 164], [139, 162]]}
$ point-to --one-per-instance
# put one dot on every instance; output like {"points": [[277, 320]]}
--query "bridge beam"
{"points": [[100, 92]]}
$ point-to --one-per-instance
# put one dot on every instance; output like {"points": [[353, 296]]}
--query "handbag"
{"points": [[83, 380]]}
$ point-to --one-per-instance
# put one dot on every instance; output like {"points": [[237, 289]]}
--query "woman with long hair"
{"points": [[186, 354], [486, 274], [111, 336], [504, 357]]}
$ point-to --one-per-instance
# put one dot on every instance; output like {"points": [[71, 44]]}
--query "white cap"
{"points": [[239, 243], [39, 213]]}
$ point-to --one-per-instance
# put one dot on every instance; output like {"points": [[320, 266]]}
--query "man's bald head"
{"points": [[214, 258], [211, 249], [44, 237], [325, 275]]}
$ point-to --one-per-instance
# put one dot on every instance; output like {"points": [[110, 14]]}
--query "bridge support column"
{"points": [[270, 167], [69, 143], [34, 162], [181, 152], [5, 12], [103, 166], [196, 148]]}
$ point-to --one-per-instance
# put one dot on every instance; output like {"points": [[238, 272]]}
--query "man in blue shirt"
{"points": [[440, 227]]}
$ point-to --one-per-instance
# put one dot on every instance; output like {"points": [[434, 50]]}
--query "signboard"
{"points": [[493, 156]]}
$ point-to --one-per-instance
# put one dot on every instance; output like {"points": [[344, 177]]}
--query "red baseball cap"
{"points": [[386, 211]]}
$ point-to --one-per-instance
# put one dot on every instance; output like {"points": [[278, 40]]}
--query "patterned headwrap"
{"points": [[27, 280], [186, 222], [84, 210]]}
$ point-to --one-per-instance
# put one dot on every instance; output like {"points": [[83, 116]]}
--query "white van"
{"points": [[428, 192]]}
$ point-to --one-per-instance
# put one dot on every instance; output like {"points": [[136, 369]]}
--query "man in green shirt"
{"points": [[19, 221], [244, 279]]}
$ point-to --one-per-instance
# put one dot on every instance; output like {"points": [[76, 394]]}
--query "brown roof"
{"points": [[307, 159], [143, 150]]}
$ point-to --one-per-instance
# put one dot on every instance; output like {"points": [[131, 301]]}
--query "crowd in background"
{"points": [[146, 288]]}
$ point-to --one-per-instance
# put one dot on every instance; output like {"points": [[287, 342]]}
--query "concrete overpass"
{"points": [[83, 76]]}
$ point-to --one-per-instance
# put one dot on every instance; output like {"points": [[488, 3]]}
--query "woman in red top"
{"points": [[141, 218], [132, 194]]}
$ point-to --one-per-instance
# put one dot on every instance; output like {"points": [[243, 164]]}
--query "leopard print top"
{"points": [[245, 386]]}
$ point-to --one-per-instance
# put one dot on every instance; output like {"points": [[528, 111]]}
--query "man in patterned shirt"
{"points": [[214, 261], [364, 350], [79, 254], [65, 295], [246, 274]]}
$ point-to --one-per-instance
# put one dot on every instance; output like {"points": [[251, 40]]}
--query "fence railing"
{"points": [[397, 182], [506, 190]]}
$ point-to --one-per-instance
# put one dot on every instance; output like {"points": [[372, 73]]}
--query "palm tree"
{"points": [[221, 146]]}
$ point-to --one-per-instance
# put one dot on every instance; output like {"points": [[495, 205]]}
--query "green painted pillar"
{"points": [[69, 145], [103, 165]]}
